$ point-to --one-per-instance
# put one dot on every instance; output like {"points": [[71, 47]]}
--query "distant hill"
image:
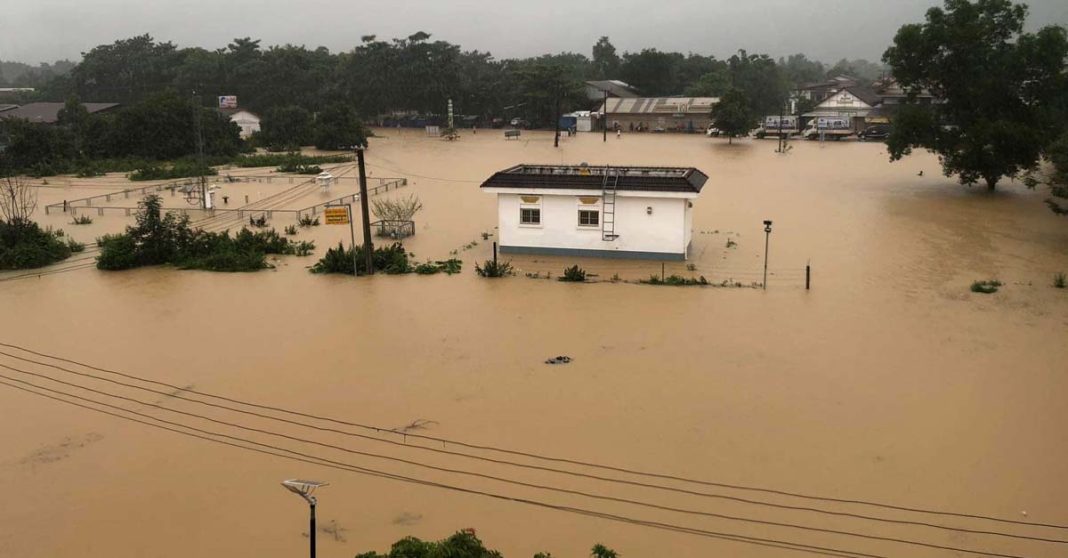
{"points": [[17, 74]]}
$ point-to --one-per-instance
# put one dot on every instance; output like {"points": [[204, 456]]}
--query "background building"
{"points": [[659, 114], [249, 122]]}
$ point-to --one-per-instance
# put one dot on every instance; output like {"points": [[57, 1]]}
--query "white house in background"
{"points": [[248, 121], [581, 210]]}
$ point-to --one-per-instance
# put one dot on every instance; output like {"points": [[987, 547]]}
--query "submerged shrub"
{"points": [[573, 274], [82, 220], [391, 260], [449, 267], [1059, 281], [494, 269], [25, 245]]}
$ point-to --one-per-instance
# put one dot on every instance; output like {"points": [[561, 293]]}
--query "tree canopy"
{"points": [[1002, 90], [733, 115]]}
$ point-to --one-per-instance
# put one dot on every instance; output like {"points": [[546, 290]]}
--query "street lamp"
{"points": [[304, 489], [767, 240]]}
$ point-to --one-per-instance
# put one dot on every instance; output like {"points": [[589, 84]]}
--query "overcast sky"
{"points": [[33, 31]]}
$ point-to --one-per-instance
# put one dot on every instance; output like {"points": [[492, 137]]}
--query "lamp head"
{"points": [[303, 488], [767, 226]]}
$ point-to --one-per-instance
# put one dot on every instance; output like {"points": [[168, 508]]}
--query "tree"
{"points": [[761, 81], [999, 87], [799, 70], [286, 127], [732, 114], [549, 87], [18, 200], [712, 84], [605, 60], [76, 119], [338, 127]]}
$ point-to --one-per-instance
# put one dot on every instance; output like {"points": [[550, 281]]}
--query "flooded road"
{"points": [[889, 381]]}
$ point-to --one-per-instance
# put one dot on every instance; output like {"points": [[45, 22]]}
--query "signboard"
{"points": [[227, 101], [336, 215]]}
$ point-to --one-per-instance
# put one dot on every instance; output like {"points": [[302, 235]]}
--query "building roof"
{"points": [[584, 177], [614, 87], [8, 107], [866, 94], [48, 113], [837, 81], [233, 111], [660, 105]]}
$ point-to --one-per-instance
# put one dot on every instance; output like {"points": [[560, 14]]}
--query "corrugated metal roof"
{"points": [[48, 113], [660, 105], [578, 177], [613, 87]]}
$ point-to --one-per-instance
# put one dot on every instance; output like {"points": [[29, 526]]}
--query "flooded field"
{"points": [[888, 381]]}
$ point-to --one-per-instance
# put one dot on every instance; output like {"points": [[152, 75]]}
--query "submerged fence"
{"points": [[94, 203]]}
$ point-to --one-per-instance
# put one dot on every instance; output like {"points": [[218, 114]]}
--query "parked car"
{"points": [[712, 131], [519, 123], [875, 132]]}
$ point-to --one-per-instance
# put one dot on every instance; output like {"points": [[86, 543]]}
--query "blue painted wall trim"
{"points": [[619, 254]]}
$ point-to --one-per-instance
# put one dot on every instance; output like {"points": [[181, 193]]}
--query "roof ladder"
{"points": [[608, 204]]}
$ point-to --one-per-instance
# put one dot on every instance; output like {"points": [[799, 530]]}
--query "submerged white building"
{"points": [[620, 212]]}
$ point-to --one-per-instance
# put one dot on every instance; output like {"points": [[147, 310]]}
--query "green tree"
{"points": [[732, 114], [549, 88], [605, 60], [338, 127], [799, 70], [287, 127], [712, 84], [999, 86], [760, 80], [77, 120]]}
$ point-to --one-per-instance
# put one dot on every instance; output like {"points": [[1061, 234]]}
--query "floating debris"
{"points": [[558, 360]]}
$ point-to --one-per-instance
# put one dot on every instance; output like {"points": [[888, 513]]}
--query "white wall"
{"points": [[666, 230], [248, 122]]}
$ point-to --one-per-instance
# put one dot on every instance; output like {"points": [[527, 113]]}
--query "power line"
{"points": [[510, 481], [379, 429], [308, 458], [495, 461]]}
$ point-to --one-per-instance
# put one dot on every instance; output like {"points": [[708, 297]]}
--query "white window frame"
{"points": [[530, 207], [591, 209]]}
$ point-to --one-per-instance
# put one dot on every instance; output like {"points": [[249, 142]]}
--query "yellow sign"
{"points": [[336, 215]]}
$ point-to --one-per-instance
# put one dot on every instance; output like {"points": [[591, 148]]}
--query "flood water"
{"points": [[887, 381]]}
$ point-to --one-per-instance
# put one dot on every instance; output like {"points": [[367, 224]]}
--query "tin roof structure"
{"points": [[586, 177], [48, 113], [660, 105]]}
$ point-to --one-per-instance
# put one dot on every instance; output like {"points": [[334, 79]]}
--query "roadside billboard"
{"points": [[227, 101]]}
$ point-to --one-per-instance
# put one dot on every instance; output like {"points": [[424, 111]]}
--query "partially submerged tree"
{"points": [[18, 200], [732, 114], [998, 89]]}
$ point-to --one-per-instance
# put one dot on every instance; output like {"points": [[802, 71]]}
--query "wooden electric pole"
{"points": [[368, 246]]}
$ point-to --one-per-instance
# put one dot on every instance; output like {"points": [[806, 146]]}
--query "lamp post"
{"points": [[304, 489], [767, 241]]}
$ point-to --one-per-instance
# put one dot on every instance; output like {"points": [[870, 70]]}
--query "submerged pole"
{"points": [[368, 246]]}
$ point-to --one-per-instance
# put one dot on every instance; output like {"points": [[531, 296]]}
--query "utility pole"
{"points": [[304, 489], [368, 246], [604, 118], [200, 151]]}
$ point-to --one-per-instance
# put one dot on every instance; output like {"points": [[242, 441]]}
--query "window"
{"points": [[529, 216], [588, 218]]}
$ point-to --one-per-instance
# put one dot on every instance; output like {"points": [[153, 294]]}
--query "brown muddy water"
{"points": [[888, 381]]}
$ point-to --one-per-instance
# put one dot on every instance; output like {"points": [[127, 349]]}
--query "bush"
{"points": [[178, 169], [676, 281], [284, 159], [25, 245], [494, 269], [164, 239], [391, 260], [308, 221], [291, 230], [75, 246], [574, 274], [986, 287], [1059, 281], [299, 168], [449, 267], [82, 220]]}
